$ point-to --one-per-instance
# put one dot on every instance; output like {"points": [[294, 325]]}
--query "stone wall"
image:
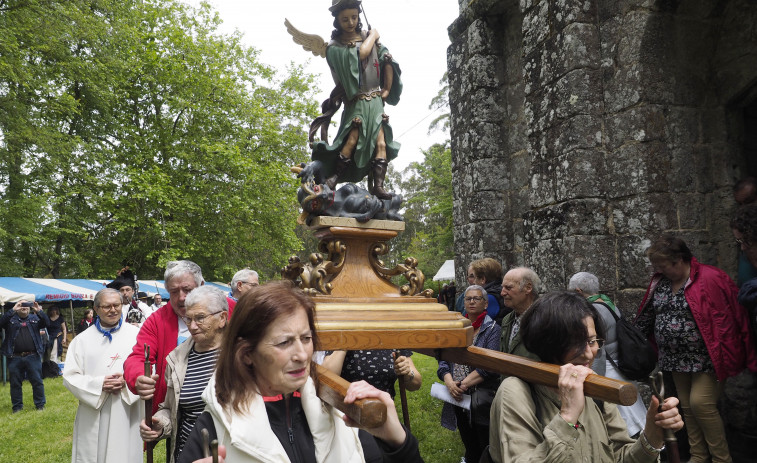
{"points": [[581, 130]]}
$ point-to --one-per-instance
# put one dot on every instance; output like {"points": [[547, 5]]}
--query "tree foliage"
{"points": [[427, 187], [134, 131]]}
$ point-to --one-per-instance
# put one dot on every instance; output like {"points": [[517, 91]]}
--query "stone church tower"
{"points": [[583, 129]]}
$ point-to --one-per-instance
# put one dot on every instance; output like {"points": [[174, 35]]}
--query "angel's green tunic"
{"points": [[360, 78]]}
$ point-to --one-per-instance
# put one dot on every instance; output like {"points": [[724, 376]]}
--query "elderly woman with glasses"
{"points": [[262, 404], [188, 369], [460, 379], [540, 423]]}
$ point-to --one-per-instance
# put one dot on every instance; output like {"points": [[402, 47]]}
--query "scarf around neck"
{"points": [[109, 332], [479, 320]]}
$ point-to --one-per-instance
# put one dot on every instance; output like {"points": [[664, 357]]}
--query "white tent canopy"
{"points": [[446, 271]]}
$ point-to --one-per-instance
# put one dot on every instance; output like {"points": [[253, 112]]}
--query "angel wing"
{"points": [[313, 43]]}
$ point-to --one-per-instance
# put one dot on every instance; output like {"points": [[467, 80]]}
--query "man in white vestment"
{"points": [[107, 420]]}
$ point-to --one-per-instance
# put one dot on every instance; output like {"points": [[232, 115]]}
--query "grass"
{"points": [[32, 436]]}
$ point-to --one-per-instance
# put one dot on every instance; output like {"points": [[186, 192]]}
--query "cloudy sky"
{"points": [[415, 31]]}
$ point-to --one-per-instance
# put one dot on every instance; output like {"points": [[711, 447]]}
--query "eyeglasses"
{"points": [[596, 342], [109, 307], [249, 283], [198, 319], [742, 242], [474, 299]]}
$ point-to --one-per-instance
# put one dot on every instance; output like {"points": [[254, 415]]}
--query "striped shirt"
{"points": [[200, 367]]}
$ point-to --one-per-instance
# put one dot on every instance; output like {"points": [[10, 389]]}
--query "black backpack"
{"points": [[637, 358]]}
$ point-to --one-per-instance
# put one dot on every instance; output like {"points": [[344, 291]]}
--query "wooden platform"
{"points": [[396, 325]]}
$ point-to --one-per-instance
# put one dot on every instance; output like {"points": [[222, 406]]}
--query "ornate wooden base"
{"points": [[358, 306]]}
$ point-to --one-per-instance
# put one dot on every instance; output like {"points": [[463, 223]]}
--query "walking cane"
{"points": [[148, 404], [403, 397], [671, 443]]}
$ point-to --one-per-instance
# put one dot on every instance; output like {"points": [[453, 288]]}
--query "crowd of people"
{"points": [[227, 362]]}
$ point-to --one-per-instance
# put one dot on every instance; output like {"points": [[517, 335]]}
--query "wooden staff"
{"points": [[403, 395], [368, 413], [657, 385], [599, 387], [148, 404]]}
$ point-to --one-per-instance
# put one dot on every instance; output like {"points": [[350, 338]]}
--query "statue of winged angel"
{"points": [[366, 78]]}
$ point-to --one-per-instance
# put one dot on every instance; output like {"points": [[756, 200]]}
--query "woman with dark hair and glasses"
{"points": [[188, 369], [262, 404], [459, 379], [702, 335], [540, 423]]}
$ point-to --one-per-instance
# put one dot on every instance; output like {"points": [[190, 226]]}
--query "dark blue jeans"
{"points": [[32, 365]]}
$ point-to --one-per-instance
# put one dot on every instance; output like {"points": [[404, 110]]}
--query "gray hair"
{"points": [[587, 282], [214, 298], [243, 275], [477, 288], [100, 294], [177, 268], [529, 276]]}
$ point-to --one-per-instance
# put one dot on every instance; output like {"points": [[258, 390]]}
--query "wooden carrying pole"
{"points": [[368, 413], [598, 387]]}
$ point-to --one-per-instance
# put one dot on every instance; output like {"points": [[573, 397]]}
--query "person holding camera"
{"points": [[24, 348]]}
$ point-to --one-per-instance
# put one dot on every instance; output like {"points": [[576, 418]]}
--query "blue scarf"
{"points": [[108, 333]]}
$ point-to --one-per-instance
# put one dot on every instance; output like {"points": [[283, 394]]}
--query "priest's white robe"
{"points": [[106, 428]]}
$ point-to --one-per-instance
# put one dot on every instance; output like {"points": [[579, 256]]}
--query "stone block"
{"points": [[487, 105], [481, 38], [483, 71], [486, 140], [639, 124], [542, 189], [637, 215], [496, 235], [570, 218], [545, 223], [637, 168], [690, 170], [486, 205], [682, 124], [630, 38], [594, 254], [581, 132], [622, 87], [546, 259], [536, 26], [694, 210], [578, 175], [569, 12], [634, 270], [491, 174]]}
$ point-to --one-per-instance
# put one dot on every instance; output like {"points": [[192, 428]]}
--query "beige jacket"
{"points": [[168, 411], [517, 434]]}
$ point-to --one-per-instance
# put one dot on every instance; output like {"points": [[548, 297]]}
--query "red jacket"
{"points": [[723, 322], [161, 332]]}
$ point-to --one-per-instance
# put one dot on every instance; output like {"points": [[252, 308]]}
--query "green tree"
{"points": [[427, 187], [134, 130]]}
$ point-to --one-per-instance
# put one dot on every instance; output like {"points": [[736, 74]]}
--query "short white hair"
{"points": [[214, 298], [587, 282], [176, 268], [243, 275]]}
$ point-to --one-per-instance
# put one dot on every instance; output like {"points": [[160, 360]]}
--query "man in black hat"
{"points": [[133, 310]]}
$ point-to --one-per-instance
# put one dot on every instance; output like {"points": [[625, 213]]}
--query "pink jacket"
{"points": [[723, 322]]}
